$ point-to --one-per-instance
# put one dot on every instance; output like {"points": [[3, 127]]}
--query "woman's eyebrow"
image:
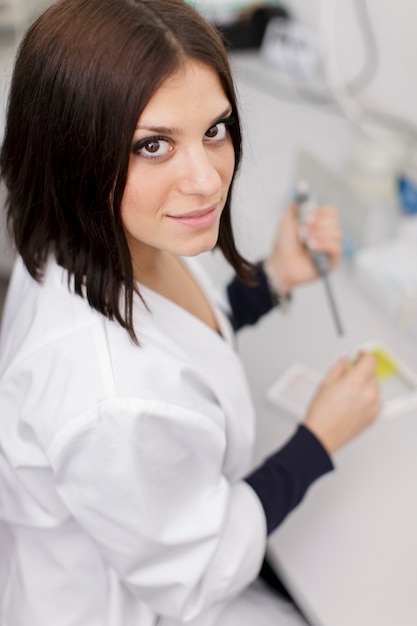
{"points": [[159, 130], [226, 113], [172, 130]]}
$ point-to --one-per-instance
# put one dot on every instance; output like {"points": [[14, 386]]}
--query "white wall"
{"points": [[6, 256], [394, 87]]}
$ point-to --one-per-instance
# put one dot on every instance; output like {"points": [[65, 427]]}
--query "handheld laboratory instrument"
{"points": [[305, 207]]}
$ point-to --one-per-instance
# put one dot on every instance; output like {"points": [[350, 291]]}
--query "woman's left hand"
{"points": [[289, 260]]}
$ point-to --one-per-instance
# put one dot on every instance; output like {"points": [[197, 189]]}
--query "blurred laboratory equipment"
{"points": [[375, 160]]}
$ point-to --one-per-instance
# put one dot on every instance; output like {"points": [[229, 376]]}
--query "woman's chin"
{"points": [[205, 244]]}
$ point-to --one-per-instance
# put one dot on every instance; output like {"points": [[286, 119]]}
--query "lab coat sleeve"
{"points": [[145, 480]]}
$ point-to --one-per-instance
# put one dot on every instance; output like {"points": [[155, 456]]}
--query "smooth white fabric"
{"points": [[121, 466]]}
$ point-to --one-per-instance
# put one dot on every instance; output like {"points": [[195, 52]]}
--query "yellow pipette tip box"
{"points": [[398, 382], [386, 366]]}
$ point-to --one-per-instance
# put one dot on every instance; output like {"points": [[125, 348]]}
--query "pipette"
{"points": [[305, 207]]}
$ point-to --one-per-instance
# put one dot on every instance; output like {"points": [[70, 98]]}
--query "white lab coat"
{"points": [[121, 466]]}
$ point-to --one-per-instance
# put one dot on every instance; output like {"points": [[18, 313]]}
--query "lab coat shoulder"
{"points": [[37, 314], [54, 361]]}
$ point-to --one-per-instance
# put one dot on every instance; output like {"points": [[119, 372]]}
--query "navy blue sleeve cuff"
{"points": [[283, 479], [249, 302]]}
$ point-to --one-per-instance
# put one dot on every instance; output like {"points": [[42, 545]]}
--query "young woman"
{"points": [[126, 425]]}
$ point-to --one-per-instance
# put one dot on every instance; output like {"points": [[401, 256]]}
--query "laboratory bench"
{"points": [[347, 554]]}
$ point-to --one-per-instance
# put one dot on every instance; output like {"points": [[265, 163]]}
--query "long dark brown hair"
{"points": [[84, 72]]}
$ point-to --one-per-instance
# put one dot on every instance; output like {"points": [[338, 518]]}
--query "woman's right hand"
{"points": [[346, 402]]}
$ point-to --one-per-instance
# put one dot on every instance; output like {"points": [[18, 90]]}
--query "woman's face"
{"points": [[180, 169]]}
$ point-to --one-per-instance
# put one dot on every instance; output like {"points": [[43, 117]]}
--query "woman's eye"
{"points": [[218, 132], [152, 148]]}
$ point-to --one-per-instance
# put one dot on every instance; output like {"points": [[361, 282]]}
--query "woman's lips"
{"points": [[198, 219]]}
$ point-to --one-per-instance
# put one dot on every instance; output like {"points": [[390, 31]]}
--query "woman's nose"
{"points": [[200, 175]]}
